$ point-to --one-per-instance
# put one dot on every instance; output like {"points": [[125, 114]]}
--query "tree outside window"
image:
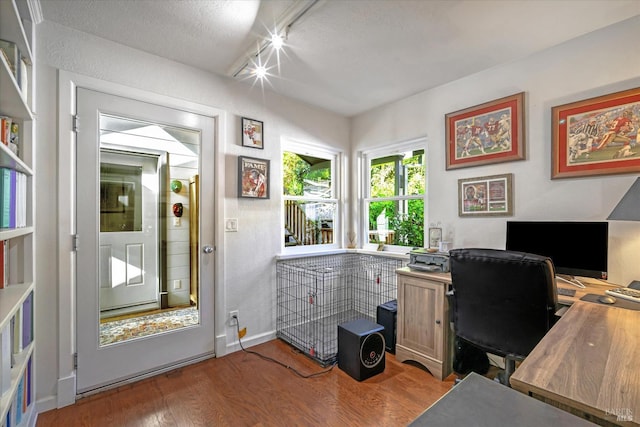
{"points": [[396, 196]]}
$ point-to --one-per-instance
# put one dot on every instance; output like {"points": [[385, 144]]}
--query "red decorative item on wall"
{"points": [[178, 209]]}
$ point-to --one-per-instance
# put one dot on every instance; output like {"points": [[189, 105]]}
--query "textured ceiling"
{"points": [[347, 56]]}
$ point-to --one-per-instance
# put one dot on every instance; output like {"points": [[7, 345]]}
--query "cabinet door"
{"points": [[421, 326]]}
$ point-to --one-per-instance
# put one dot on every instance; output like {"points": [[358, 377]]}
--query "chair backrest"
{"points": [[504, 301]]}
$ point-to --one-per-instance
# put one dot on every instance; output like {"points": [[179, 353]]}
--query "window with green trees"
{"points": [[310, 202], [395, 196]]}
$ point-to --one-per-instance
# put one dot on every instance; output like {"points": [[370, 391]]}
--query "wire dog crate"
{"points": [[315, 294]]}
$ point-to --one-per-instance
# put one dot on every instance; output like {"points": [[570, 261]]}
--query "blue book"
{"points": [[18, 403]]}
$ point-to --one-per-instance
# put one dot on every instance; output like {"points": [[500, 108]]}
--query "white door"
{"points": [[129, 239], [186, 140]]}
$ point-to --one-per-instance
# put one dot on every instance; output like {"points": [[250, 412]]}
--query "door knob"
{"points": [[207, 249]]}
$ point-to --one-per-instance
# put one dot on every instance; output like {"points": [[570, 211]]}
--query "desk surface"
{"points": [[593, 286], [479, 401], [588, 361]]}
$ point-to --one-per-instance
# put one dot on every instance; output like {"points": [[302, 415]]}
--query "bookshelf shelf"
{"points": [[17, 293], [11, 299], [20, 364], [11, 233]]}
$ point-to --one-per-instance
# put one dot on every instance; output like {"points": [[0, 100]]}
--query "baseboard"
{"points": [[234, 346]]}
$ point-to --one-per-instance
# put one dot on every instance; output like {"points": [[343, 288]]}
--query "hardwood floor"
{"points": [[242, 389]]}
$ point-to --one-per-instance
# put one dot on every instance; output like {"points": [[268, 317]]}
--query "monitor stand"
{"points": [[572, 281]]}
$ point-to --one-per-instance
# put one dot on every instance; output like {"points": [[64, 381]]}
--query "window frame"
{"points": [[337, 190], [365, 162]]}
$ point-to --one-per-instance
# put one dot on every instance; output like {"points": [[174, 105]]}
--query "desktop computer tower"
{"points": [[361, 348], [386, 315]]}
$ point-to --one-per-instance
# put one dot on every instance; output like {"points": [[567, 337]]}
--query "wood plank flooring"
{"points": [[241, 389]]}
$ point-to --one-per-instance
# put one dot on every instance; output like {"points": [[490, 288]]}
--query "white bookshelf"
{"points": [[17, 371]]}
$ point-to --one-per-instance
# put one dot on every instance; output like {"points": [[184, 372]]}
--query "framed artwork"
{"points": [[596, 136], [252, 133], [435, 236], [253, 178], [486, 196], [492, 132]]}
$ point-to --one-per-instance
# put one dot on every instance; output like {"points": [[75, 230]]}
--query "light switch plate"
{"points": [[231, 224]]}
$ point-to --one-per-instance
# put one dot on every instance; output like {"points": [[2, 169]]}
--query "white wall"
{"points": [[247, 281], [598, 63]]}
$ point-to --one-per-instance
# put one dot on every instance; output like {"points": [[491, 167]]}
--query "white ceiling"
{"points": [[346, 56]]}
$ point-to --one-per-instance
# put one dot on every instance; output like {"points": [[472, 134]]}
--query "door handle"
{"points": [[207, 249]]}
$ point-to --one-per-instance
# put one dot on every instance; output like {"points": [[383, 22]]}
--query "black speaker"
{"points": [[361, 348], [386, 315]]}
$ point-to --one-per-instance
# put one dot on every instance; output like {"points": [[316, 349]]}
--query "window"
{"points": [[395, 194], [310, 197]]}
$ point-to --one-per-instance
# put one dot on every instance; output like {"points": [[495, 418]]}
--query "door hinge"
{"points": [[74, 123], [75, 241], [75, 360]]}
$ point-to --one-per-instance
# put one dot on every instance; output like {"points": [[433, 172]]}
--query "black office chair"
{"points": [[504, 302]]}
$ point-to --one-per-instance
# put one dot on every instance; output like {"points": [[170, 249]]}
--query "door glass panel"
{"points": [[149, 224]]}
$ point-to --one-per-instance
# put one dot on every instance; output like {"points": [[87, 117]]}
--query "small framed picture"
{"points": [[435, 236], [488, 133], [596, 136], [253, 178], [252, 133], [486, 196]]}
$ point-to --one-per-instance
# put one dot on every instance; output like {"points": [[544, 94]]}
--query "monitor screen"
{"points": [[576, 248]]}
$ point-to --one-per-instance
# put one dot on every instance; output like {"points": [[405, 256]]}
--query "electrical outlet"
{"points": [[233, 313]]}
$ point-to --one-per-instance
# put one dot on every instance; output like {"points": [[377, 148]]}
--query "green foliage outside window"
{"points": [[296, 170], [408, 223]]}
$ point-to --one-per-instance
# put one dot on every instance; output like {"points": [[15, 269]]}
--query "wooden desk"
{"points": [[593, 286], [587, 364], [478, 401]]}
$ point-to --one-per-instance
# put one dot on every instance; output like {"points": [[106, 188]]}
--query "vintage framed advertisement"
{"points": [[492, 132], [486, 196], [252, 133], [253, 178], [596, 136]]}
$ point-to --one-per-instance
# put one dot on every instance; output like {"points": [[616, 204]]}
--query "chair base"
{"points": [[509, 368]]}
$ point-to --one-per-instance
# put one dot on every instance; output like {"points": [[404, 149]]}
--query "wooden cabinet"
{"points": [[17, 246], [423, 330]]}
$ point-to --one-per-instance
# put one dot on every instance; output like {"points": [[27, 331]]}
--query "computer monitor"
{"points": [[576, 248]]}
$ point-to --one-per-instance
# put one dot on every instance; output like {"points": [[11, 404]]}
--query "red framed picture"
{"points": [[597, 136], [253, 178], [488, 133]]}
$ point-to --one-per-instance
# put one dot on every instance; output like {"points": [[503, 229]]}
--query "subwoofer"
{"points": [[361, 348]]}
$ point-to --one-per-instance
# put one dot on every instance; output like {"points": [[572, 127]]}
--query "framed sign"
{"points": [[492, 132], [253, 178], [596, 136], [486, 196], [252, 133]]}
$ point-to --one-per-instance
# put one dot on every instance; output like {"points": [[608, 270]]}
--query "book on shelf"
{"points": [[13, 198], [5, 129], [27, 320], [3, 264], [5, 358], [11, 53]]}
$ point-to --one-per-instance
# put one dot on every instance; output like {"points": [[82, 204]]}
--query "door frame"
{"points": [[68, 82]]}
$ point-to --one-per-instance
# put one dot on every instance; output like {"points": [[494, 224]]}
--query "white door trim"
{"points": [[67, 84]]}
